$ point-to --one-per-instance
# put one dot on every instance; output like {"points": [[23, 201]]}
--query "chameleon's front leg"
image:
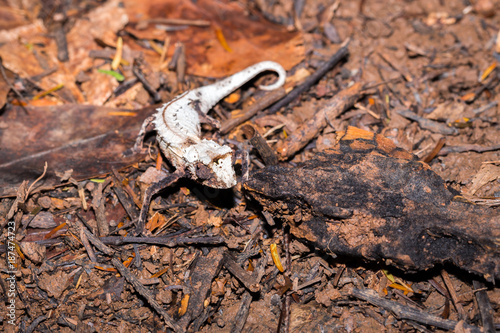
{"points": [[152, 190]]}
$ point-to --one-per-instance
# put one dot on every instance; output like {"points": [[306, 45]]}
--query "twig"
{"points": [[61, 42], [408, 312], [311, 80], [98, 204], [308, 131], [242, 315], [463, 148], [165, 241], [256, 140], [284, 321], [484, 305], [172, 65], [87, 246], [138, 74], [435, 151], [180, 66], [428, 124], [6, 79], [127, 204], [253, 109], [451, 289], [36, 181], [485, 107], [172, 21], [98, 242], [248, 280], [144, 292]]}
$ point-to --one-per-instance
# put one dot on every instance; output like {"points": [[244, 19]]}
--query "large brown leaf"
{"points": [[88, 139]]}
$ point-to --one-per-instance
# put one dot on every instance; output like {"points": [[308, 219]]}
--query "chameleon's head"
{"points": [[211, 164]]}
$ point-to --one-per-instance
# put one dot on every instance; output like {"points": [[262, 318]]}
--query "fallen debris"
{"points": [[371, 200]]}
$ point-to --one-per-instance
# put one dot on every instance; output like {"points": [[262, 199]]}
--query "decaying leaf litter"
{"points": [[427, 80]]}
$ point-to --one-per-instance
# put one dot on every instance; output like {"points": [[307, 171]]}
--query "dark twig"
{"points": [[267, 154], [463, 148], [311, 80], [485, 108], [246, 299], [409, 312], [435, 151], [127, 204], [97, 242], [149, 88], [248, 280], [251, 110], [175, 21], [98, 204], [242, 315], [144, 292], [165, 241], [451, 289], [284, 321], [484, 305], [339, 103], [87, 246], [35, 323], [61, 42], [428, 124], [6, 79]]}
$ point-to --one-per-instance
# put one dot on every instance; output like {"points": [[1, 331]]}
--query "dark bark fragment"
{"points": [[204, 270], [371, 200]]}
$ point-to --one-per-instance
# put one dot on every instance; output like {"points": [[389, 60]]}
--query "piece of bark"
{"points": [[309, 130], [409, 312], [467, 147], [484, 305], [242, 314], [204, 270], [371, 200], [246, 278], [144, 292], [259, 143], [85, 131]]}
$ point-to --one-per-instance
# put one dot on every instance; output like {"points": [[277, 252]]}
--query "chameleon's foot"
{"points": [[152, 190]]}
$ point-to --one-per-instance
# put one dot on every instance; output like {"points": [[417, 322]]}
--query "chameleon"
{"points": [[178, 132]]}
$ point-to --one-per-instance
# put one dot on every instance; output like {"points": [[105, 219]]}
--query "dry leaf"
{"points": [[486, 174]]}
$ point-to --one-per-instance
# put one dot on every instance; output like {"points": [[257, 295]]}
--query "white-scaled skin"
{"points": [[179, 130]]}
